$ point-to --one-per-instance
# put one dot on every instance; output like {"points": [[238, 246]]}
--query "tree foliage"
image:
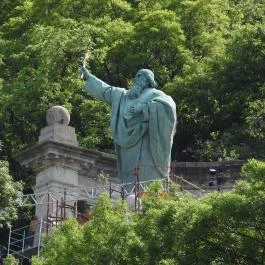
{"points": [[175, 228], [10, 260], [208, 55], [8, 195]]}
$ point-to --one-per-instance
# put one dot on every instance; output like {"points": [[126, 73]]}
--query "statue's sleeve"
{"points": [[99, 89], [162, 120]]}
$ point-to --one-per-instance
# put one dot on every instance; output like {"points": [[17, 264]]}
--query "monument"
{"points": [[143, 122]]}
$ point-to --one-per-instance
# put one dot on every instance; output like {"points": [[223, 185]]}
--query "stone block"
{"points": [[58, 133], [57, 174]]}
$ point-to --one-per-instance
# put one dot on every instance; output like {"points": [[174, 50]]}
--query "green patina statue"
{"points": [[143, 123]]}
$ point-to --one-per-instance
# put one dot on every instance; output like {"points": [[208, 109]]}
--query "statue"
{"points": [[143, 123]]}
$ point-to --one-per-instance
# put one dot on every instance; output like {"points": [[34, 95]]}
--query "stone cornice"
{"points": [[50, 153]]}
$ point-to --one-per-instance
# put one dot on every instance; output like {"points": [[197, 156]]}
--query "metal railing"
{"points": [[91, 193]]}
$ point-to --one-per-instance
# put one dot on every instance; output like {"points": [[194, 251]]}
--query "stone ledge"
{"points": [[209, 164], [51, 153]]}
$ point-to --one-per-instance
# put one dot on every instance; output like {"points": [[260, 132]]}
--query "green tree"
{"points": [[8, 195], [231, 231], [10, 260], [103, 240]]}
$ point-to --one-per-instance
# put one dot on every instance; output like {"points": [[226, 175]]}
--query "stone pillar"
{"points": [[56, 177]]}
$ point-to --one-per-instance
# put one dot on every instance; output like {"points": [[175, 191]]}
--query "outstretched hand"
{"points": [[85, 73]]}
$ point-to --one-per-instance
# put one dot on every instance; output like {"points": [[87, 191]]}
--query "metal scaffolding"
{"points": [[63, 203], [23, 245]]}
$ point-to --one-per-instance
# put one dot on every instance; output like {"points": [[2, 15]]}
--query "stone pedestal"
{"points": [[62, 167]]}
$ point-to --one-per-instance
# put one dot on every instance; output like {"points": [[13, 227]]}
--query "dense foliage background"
{"points": [[174, 229], [208, 55]]}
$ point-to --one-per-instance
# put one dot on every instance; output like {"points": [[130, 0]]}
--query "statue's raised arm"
{"points": [[98, 88]]}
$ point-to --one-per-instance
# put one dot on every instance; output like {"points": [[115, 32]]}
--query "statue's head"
{"points": [[143, 79], [146, 77]]}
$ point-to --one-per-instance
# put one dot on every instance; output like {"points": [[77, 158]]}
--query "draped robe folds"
{"points": [[141, 139]]}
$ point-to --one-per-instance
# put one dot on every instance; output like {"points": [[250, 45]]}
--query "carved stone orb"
{"points": [[57, 115]]}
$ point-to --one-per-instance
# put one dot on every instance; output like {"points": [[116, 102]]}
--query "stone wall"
{"points": [[199, 173]]}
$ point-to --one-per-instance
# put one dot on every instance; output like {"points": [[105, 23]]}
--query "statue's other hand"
{"points": [[138, 107], [84, 73]]}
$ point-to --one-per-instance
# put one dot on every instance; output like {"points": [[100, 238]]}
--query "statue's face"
{"points": [[141, 79], [139, 84]]}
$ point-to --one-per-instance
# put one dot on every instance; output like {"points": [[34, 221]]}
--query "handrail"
{"points": [[191, 184], [91, 192]]}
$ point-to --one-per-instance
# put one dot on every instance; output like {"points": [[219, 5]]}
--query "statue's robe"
{"points": [[141, 139]]}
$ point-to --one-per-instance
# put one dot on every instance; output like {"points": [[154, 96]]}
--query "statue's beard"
{"points": [[135, 91]]}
